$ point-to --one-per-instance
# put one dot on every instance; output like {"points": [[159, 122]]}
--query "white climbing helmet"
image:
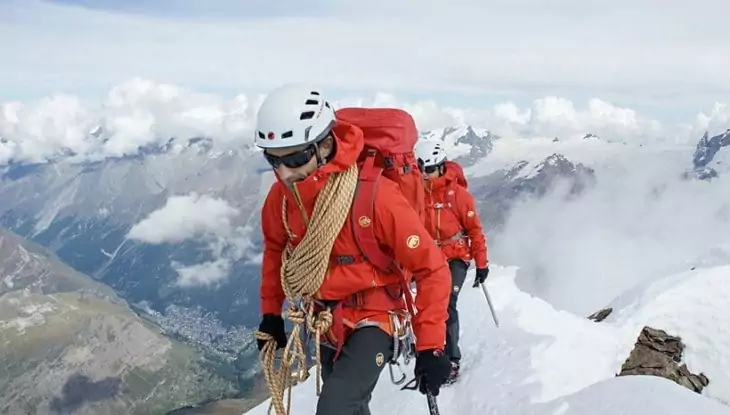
{"points": [[292, 115], [430, 152]]}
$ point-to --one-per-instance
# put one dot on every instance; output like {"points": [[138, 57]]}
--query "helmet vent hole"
{"points": [[306, 115], [287, 134]]}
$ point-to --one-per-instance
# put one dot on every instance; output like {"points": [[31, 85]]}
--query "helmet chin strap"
{"points": [[322, 161]]}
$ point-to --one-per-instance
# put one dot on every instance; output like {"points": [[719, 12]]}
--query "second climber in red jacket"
{"points": [[453, 221]]}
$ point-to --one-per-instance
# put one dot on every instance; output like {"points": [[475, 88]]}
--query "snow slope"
{"points": [[545, 361]]}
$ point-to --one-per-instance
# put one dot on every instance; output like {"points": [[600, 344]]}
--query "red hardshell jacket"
{"points": [[452, 218]]}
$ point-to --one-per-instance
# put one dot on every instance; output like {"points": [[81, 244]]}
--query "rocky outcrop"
{"points": [[600, 315], [707, 148], [657, 353]]}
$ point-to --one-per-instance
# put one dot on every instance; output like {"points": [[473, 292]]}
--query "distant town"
{"points": [[198, 326]]}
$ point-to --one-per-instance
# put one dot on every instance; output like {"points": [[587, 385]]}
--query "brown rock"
{"points": [[656, 353]]}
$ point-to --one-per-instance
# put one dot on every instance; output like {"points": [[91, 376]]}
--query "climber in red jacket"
{"points": [[314, 156], [453, 221]]}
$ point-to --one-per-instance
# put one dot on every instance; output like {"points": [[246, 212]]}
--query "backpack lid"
{"points": [[387, 130]]}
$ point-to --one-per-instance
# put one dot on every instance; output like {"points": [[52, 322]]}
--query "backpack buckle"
{"points": [[345, 259]]}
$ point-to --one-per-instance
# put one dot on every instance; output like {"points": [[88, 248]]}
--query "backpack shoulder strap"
{"points": [[451, 201], [363, 210], [362, 216]]}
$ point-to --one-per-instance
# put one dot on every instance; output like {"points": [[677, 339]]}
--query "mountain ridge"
{"points": [[70, 344]]}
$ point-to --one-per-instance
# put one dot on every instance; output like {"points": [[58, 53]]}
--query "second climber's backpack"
{"points": [[390, 136], [458, 170]]}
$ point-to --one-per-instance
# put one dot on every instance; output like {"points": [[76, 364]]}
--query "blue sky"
{"points": [[464, 53]]}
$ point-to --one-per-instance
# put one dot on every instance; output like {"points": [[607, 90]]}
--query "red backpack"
{"points": [[456, 167], [390, 138]]}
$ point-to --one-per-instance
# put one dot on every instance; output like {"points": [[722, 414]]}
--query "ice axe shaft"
{"points": [[414, 384], [433, 407], [489, 303]]}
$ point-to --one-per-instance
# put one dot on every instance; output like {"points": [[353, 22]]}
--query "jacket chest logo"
{"points": [[413, 241], [364, 221]]}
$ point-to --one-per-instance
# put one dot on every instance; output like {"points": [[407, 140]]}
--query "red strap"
{"points": [[362, 216], [363, 226]]}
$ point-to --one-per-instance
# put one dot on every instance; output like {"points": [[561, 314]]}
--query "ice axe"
{"points": [[433, 407], [489, 303]]}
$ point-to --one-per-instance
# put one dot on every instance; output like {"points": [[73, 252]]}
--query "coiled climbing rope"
{"points": [[303, 270]]}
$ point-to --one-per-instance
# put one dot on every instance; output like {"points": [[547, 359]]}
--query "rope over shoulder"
{"points": [[303, 271]]}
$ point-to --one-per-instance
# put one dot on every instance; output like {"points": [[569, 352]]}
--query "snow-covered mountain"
{"points": [[464, 144], [497, 192], [709, 156], [544, 361]]}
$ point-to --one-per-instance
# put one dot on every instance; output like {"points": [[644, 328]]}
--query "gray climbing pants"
{"points": [[349, 381], [458, 275]]}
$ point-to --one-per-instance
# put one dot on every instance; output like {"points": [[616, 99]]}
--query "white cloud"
{"points": [[204, 273], [664, 53], [639, 222], [184, 217], [547, 117], [716, 121], [139, 113], [135, 114], [202, 217]]}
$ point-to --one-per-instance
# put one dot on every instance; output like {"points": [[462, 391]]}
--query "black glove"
{"points": [[273, 325], [481, 276], [432, 370]]}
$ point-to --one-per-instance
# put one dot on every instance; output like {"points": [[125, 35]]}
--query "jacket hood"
{"points": [[349, 143]]}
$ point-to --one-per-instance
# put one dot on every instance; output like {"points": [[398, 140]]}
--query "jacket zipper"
{"points": [[435, 221]]}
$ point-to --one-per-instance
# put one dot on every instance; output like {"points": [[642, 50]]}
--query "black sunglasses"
{"points": [[294, 160], [429, 169]]}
